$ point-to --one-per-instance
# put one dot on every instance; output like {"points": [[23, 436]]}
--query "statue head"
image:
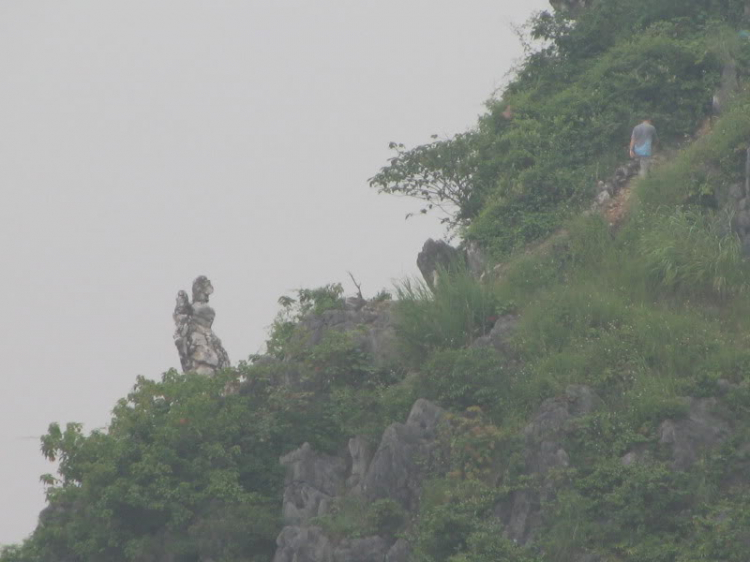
{"points": [[182, 299], [202, 289]]}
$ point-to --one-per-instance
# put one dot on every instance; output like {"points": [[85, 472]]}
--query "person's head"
{"points": [[648, 120]]}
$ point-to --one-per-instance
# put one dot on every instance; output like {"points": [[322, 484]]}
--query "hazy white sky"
{"points": [[144, 143]]}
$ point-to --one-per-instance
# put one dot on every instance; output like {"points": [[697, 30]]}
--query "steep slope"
{"points": [[585, 401]]}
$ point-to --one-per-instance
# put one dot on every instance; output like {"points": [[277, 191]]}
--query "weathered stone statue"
{"points": [[199, 348]]}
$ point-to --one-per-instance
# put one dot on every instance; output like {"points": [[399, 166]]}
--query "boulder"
{"points": [[603, 198], [728, 88], [475, 259], [303, 544], [437, 255], [360, 453], [312, 481], [405, 452], [555, 419], [399, 552], [499, 337], [309, 544], [395, 471], [698, 432], [371, 326], [367, 549]]}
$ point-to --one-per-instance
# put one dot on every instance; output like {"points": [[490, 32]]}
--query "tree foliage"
{"points": [[564, 121], [442, 174], [187, 470], [182, 471]]}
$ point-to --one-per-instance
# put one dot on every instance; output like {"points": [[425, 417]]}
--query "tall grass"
{"points": [[695, 253], [706, 167], [459, 310]]}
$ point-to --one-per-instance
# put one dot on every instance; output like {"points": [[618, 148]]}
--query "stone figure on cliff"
{"points": [[199, 348]]}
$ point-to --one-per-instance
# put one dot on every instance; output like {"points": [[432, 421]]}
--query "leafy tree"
{"points": [[441, 173], [183, 470]]}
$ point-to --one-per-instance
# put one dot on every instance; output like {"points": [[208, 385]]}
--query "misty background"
{"points": [[145, 143]]}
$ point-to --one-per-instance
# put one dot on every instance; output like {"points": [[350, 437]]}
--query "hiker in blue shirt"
{"points": [[642, 143]]}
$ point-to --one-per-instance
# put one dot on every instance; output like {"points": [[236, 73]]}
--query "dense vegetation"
{"points": [[564, 121], [188, 468]]}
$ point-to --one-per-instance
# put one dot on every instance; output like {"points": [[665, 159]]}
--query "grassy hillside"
{"points": [[657, 311]]}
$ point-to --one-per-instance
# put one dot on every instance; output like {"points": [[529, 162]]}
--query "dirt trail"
{"points": [[618, 207], [616, 210]]}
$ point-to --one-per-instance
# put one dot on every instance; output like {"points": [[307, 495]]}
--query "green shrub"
{"points": [[354, 517], [368, 410], [634, 508], [183, 470], [308, 301], [456, 525], [461, 378], [721, 533]]}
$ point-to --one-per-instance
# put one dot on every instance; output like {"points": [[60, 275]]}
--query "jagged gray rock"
{"points": [[309, 544], [729, 86], [475, 259], [312, 481], [737, 203], [371, 326], [199, 348], [366, 549], [522, 511], [499, 337], [607, 190], [360, 454], [698, 432], [303, 544], [399, 552], [405, 452], [437, 255]]}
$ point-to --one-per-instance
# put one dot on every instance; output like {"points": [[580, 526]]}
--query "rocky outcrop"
{"points": [[309, 544], [367, 549], [729, 86], [698, 432], [476, 260], [522, 511], [399, 552], [303, 544], [371, 326], [360, 453], [499, 337], [608, 190], [199, 348], [312, 481], [736, 201], [437, 255], [405, 452], [394, 471]]}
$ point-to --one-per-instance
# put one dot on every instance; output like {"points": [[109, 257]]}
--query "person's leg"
{"points": [[645, 164]]}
